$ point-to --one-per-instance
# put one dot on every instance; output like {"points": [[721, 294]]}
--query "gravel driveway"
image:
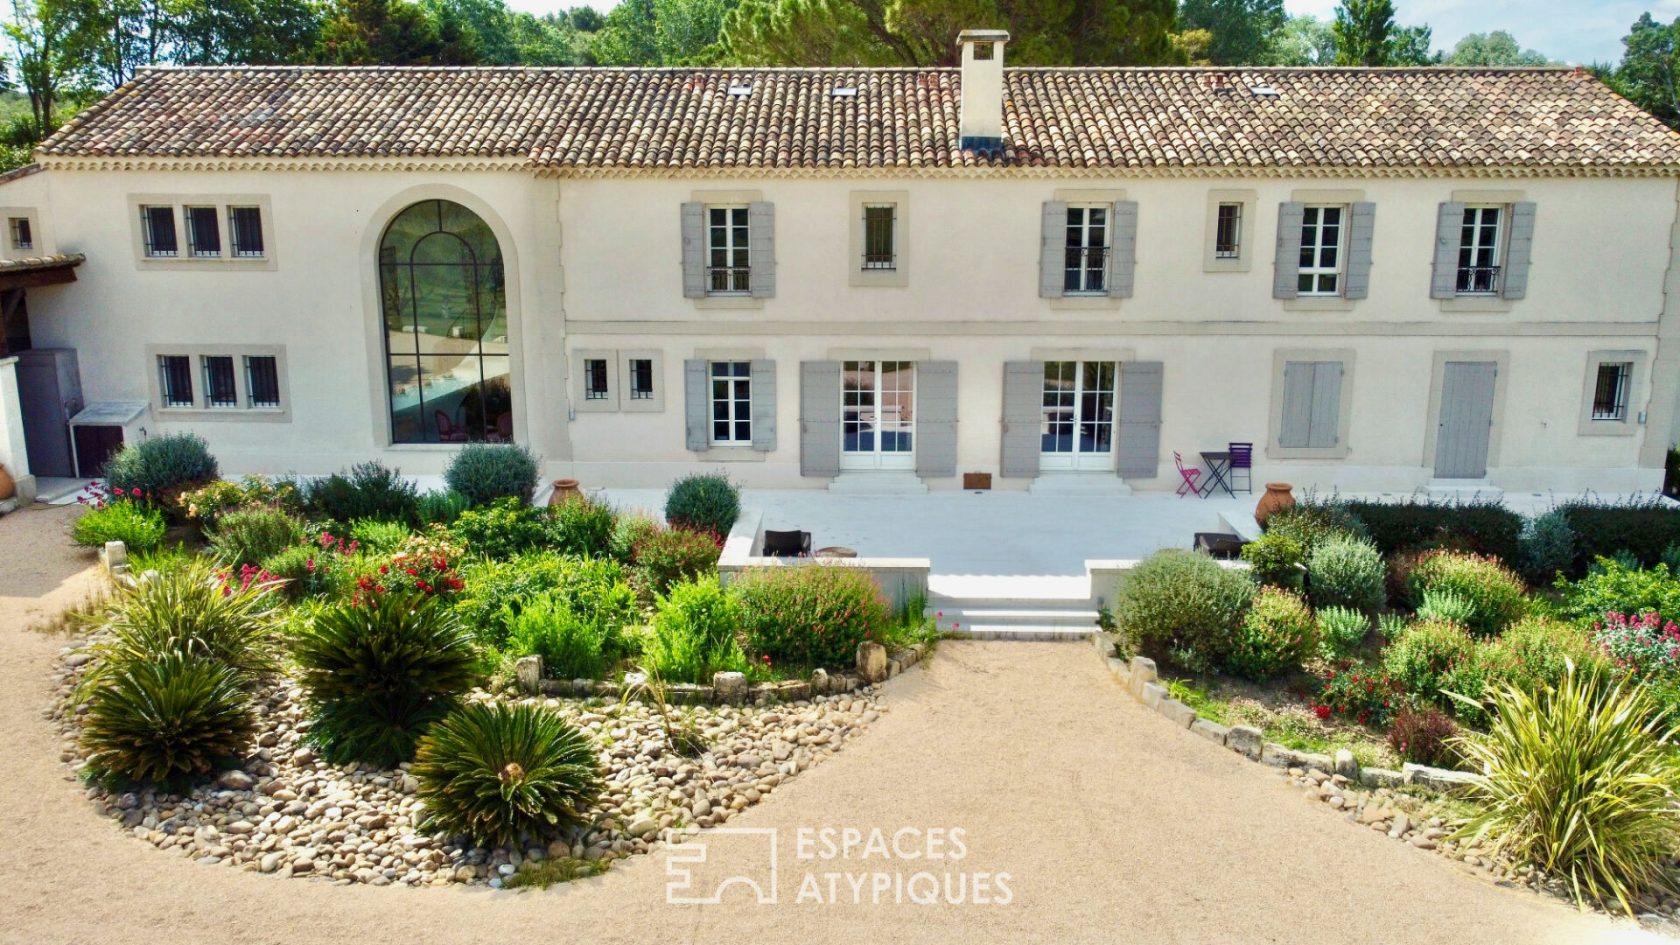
{"points": [[1111, 827]]}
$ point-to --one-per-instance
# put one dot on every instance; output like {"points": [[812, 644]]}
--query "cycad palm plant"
{"points": [[167, 720], [1580, 779]]}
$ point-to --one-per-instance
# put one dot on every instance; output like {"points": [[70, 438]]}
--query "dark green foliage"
{"points": [[703, 502], [1312, 522], [1547, 547], [441, 508], [810, 614], [665, 556], [1277, 560], [368, 491], [1242, 29], [580, 526], [1344, 571], [192, 610], [503, 528], [1485, 527], [572, 646], [496, 773], [1642, 529], [137, 525], [485, 472], [252, 535], [167, 720], [378, 674], [161, 466], [1422, 736], [1671, 474], [1182, 606]]}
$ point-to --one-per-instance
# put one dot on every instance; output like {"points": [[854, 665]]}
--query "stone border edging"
{"points": [[1138, 677]]}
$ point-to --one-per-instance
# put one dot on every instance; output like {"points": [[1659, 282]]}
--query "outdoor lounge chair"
{"points": [[787, 544]]}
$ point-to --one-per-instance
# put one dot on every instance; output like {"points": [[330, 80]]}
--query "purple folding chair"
{"points": [[1188, 486], [1242, 458]]}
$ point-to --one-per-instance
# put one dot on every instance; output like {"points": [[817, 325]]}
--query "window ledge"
{"points": [[224, 414], [1607, 428], [1327, 303], [1072, 303], [732, 454], [208, 263], [728, 302], [1476, 303], [880, 278], [1224, 264]]}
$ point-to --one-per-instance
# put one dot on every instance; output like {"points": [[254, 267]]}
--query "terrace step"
{"points": [[878, 483], [1082, 619], [1464, 490], [1028, 633]]}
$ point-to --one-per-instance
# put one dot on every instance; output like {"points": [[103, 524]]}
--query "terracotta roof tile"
{"points": [[594, 120]]}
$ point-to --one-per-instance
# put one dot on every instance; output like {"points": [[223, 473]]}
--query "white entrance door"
{"points": [[1078, 415], [878, 416]]}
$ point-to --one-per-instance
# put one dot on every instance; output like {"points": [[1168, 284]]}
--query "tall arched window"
{"points": [[446, 327]]}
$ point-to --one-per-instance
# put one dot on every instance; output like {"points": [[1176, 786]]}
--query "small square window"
{"points": [[595, 379], [245, 227], [22, 237], [157, 230], [262, 381], [204, 232], [879, 225], [175, 384], [1227, 237], [219, 387], [1610, 391], [641, 378]]}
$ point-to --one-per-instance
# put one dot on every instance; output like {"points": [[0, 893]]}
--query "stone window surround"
{"points": [[1344, 419], [241, 413], [618, 381], [7, 214], [267, 261], [1075, 302], [708, 199], [1244, 261], [899, 275], [1431, 421], [729, 452], [1629, 425]]}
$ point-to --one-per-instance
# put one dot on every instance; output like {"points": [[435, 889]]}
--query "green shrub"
{"points": [[629, 530], [1439, 603], [378, 536], [809, 614], [251, 535], [441, 508], [211, 501], [1612, 587], [1182, 606], [496, 773], [304, 568], [167, 720], [1274, 636], [1495, 595], [1547, 547], [161, 466], [1423, 736], [1276, 559], [1425, 655], [1343, 571], [571, 646], [139, 526], [376, 675], [703, 502], [193, 610], [1351, 691], [694, 633], [580, 526], [1311, 522], [368, 490], [1642, 529], [596, 588], [1535, 652], [667, 556], [1579, 779], [1483, 526], [486, 472], [501, 529], [1341, 630]]}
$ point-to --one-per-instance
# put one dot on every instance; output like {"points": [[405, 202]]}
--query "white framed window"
{"points": [[1612, 385], [204, 232], [246, 230], [22, 233], [880, 236], [220, 382], [1086, 268], [728, 256], [1323, 240], [157, 228], [1227, 231], [175, 384], [731, 396], [1480, 250]]}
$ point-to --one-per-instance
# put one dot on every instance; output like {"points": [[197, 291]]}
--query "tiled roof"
{"points": [[790, 120], [38, 263]]}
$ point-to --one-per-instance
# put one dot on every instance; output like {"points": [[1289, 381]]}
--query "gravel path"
{"points": [[1112, 827]]}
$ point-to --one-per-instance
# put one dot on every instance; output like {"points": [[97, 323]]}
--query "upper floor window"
{"points": [[1610, 391], [880, 236], [1227, 233], [728, 257], [245, 226], [217, 230], [731, 402], [204, 234], [1478, 250], [1322, 238], [157, 230], [1087, 250], [22, 235]]}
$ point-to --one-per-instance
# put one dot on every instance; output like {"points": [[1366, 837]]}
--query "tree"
{"points": [[49, 63], [547, 40], [382, 32], [1364, 31], [1192, 47], [1242, 30], [1649, 75], [1304, 40], [1497, 48], [254, 32], [1410, 47], [585, 19]]}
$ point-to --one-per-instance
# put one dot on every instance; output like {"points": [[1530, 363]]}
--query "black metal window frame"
{"points": [[262, 381], [1480, 244], [1227, 231], [204, 232], [1611, 391], [245, 231], [221, 388], [23, 236], [641, 378], [880, 237], [157, 231], [1085, 266], [175, 380], [728, 249], [595, 386]]}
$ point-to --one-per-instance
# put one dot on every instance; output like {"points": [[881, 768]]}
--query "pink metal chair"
{"points": [[1188, 486]]}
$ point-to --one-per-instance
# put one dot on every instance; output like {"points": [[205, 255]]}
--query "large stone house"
{"points": [[1385, 279]]}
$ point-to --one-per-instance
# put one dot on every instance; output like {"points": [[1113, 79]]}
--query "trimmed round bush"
{"points": [[1494, 594], [167, 720], [139, 526], [497, 773], [1547, 547], [161, 466], [1423, 657], [703, 502], [1182, 606], [809, 614], [1343, 571], [1423, 736], [1274, 636], [485, 472], [1276, 559], [252, 535], [1340, 631], [694, 633], [377, 674], [369, 490]]}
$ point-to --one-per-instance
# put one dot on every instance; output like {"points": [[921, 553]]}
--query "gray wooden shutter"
{"points": [[1286, 275], [1137, 442], [936, 418], [697, 404], [819, 418], [1449, 230], [1513, 283], [761, 248], [1122, 254], [694, 250], [1357, 285], [1296, 423], [1052, 253], [1023, 418], [1324, 429], [763, 405]]}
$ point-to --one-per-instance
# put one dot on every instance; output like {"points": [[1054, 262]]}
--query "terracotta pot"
{"points": [[1277, 498], [8, 486], [565, 490]]}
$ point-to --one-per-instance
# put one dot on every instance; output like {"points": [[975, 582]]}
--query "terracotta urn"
{"points": [[1279, 496], [8, 486], [565, 490]]}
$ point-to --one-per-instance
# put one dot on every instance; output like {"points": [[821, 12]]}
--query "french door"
{"points": [[878, 415], [1078, 427]]}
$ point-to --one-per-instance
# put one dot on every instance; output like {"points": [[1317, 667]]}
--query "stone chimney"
{"points": [[981, 114]]}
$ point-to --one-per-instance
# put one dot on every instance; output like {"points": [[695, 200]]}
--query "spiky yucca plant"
{"points": [[1580, 779], [191, 609], [380, 672], [168, 720], [494, 772]]}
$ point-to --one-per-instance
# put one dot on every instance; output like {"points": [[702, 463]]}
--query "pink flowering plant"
{"points": [[1642, 645], [426, 564], [1353, 692]]}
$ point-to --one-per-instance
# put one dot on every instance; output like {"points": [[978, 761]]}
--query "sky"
{"points": [[1578, 31]]}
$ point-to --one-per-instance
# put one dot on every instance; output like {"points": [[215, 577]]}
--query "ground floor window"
{"points": [[1610, 391], [1078, 425], [223, 380], [731, 402], [878, 414]]}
